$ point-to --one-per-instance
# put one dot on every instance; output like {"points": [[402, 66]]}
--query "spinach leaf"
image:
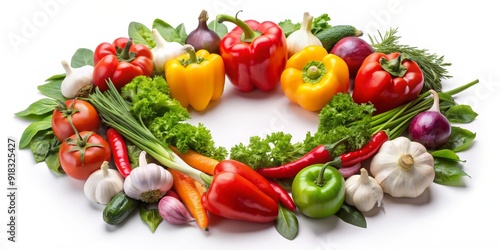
{"points": [[141, 34], [33, 129], [351, 215], [460, 139], [446, 154], [460, 114], [181, 31], [82, 57], [286, 223], [39, 108], [448, 172], [151, 217], [219, 28], [166, 31], [52, 88]]}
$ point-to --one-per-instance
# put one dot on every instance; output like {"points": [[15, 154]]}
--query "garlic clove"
{"points": [[363, 191], [173, 211]]}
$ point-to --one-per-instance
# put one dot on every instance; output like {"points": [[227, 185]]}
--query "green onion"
{"points": [[397, 120], [115, 112]]}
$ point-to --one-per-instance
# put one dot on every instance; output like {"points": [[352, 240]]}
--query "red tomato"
{"points": [[95, 151], [83, 116]]}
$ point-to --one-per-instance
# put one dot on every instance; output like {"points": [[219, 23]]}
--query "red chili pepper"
{"points": [[254, 54], [120, 62], [322, 154], [387, 81], [284, 196], [238, 192], [119, 151]]}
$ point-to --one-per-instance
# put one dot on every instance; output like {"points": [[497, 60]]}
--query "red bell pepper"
{"points": [[238, 192], [120, 62], [254, 54], [387, 81]]}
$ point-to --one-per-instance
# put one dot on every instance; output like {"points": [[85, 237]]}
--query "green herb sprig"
{"points": [[433, 66]]}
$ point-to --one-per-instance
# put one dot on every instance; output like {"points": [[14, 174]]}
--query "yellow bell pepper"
{"points": [[312, 77], [196, 78]]}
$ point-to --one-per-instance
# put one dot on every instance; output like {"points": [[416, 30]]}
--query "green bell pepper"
{"points": [[318, 190]]}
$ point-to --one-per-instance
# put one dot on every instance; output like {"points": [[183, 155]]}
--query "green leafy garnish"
{"points": [[286, 223], [151, 217], [165, 117], [319, 23]]}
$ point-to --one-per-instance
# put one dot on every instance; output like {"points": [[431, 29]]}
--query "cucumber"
{"points": [[119, 208], [330, 36]]}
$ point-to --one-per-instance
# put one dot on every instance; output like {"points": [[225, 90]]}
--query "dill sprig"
{"points": [[433, 66]]}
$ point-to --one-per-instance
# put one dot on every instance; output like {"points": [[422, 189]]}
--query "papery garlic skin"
{"points": [[148, 182], [103, 184], [363, 191], [403, 168]]}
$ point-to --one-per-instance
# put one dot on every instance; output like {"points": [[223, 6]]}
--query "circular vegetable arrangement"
{"points": [[120, 123]]}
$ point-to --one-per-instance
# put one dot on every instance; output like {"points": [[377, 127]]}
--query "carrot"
{"points": [[197, 160], [188, 192]]}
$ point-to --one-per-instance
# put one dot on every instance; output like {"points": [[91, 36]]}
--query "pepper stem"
{"points": [[248, 34], [124, 54], [394, 66], [188, 48], [313, 72]]}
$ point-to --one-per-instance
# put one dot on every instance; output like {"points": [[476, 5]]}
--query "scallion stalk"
{"points": [[115, 112], [396, 120]]}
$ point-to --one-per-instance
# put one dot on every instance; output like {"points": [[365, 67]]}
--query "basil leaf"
{"points": [[460, 114], [460, 139], [40, 147], [30, 132], [82, 57], [52, 89], [56, 77], [151, 217], [351, 215], [166, 30], [53, 163], [446, 154], [141, 34], [181, 30], [448, 172], [38, 108], [219, 28], [286, 223]]}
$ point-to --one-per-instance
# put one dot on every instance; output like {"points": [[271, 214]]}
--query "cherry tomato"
{"points": [[83, 116], [83, 153]]}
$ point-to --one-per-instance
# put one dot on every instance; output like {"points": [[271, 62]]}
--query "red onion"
{"points": [[353, 50], [202, 37], [350, 170], [430, 128]]}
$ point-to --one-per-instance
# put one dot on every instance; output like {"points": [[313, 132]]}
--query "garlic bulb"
{"points": [[302, 37], [75, 79], [403, 168], [164, 51], [363, 191], [103, 184], [149, 182]]}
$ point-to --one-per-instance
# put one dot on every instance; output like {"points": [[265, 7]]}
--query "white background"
{"points": [[54, 213]]}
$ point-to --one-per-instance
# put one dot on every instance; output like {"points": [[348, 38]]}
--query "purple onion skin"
{"points": [[202, 37], [431, 129]]}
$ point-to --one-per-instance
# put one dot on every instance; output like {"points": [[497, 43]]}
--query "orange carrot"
{"points": [[197, 160], [188, 192]]}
